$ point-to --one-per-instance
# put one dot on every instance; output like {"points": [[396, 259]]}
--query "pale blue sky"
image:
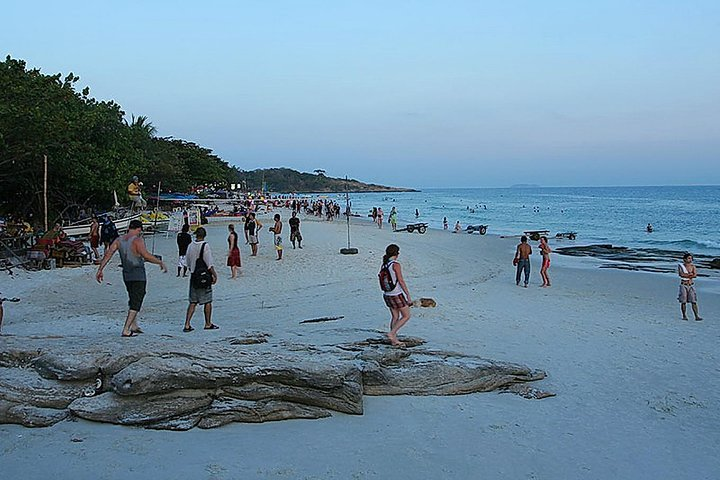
{"points": [[418, 94]]}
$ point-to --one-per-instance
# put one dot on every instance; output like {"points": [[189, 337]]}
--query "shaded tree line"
{"points": [[92, 150]]}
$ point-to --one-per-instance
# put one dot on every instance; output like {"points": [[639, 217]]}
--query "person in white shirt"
{"points": [[200, 295]]}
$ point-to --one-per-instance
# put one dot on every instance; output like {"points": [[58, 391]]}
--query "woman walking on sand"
{"points": [[545, 251], [395, 293], [233, 260]]}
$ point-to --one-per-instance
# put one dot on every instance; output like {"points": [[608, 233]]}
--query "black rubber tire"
{"points": [[422, 229], [349, 251], [483, 230], [410, 228], [571, 236], [535, 236]]}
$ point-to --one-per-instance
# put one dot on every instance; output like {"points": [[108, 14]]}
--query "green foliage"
{"points": [[287, 180], [91, 150]]}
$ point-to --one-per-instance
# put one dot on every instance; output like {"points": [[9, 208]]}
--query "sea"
{"points": [[684, 218]]}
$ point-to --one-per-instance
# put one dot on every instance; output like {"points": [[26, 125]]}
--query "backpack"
{"points": [[201, 277], [385, 277]]}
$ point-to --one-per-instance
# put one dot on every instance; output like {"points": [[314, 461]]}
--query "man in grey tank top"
{"points": [[133, 255]]}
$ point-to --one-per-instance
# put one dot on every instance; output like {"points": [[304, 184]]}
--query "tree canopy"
{"points": [[91, 148]]}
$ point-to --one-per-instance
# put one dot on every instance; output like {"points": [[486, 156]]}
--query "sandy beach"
{"points": [[635, 386]]}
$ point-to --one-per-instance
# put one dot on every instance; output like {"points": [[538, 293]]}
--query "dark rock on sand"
{"points": [[164, 383]]}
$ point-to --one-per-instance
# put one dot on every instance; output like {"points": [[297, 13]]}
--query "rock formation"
{"points": [[165, 383]]}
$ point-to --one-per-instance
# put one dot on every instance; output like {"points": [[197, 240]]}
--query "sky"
{"points": [[407, 93]]}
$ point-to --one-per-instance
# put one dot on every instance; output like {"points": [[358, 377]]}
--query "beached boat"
{"points": [[82, 229]]}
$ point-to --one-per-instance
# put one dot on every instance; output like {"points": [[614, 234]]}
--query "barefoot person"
{"points": [[545, 252], [95, 238], [522, 260], [295, 234], [252, 229], [688, 273], [397, 296], [184, 239], [276, 229], [233, 260], [133, 255], [200, 295]]}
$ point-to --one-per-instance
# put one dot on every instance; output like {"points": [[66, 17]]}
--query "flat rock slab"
{"points": [[167, 383]]}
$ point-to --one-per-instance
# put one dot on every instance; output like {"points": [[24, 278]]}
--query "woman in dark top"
{"points": [[233, 252]]}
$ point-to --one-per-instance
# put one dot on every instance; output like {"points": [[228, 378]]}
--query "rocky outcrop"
{"points": [[162, 383], [638, 259]]}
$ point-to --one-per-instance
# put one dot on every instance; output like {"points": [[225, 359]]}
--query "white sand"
{"points": [[636, 387]]}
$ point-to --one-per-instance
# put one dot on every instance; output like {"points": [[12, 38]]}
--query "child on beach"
{"points": [[545, 252], [688, 273], [398, 298]]}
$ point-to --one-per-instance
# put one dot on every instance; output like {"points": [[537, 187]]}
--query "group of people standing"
{"points": [[522, 261], [194, 258]]}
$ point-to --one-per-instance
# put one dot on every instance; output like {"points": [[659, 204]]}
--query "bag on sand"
{"points": [[201, 277], [385, 278]]}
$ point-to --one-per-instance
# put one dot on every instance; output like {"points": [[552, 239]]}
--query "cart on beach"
{"points": [[536, 234], [411, 227], [568, 235], [481, 229]]}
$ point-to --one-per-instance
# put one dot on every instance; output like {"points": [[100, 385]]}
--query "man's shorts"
{"points": [[395, 301], [278, 242], [253, 239], [295, 236], [687, 294], [182, 262], [136, 294], [200, 295]]}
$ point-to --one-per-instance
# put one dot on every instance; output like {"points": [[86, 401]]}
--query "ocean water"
{"points": [[684, 218]]}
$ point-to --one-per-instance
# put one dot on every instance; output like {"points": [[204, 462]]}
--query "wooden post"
{"points": [[45, 193]]}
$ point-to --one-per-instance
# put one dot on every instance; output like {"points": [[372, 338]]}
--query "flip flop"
{"points": [[188, 329], [137, 330], [212, 327], [132, 334]]}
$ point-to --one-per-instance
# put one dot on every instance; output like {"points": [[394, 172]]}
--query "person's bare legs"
{"points": [[233, 272], [207, 310], [400, 317], [544, 276], [130, 323], [683, 309], [189, 315], [695, 311]]}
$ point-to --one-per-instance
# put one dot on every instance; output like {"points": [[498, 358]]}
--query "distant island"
{"points": [[287, 180]]}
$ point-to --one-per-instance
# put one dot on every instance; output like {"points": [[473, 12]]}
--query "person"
{"points": [[545, 252], [649, 228], [295, 230], [252, 229], [133, 255], [457, 228], [95, 238], [688, 272], [380, 215], [183, 241], [417, 213], [397, 300], [276, 229], [445, 223], [233, 260], [522, 260], [134, 191], [108, 232], [393, 219], [200, 295]]}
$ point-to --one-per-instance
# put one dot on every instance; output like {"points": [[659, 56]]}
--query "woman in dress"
{"points": [[233, 260]]}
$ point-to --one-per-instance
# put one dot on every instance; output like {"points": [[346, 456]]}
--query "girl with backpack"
{"points": [[395, 293]]}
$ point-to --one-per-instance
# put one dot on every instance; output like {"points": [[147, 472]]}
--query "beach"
{"points": [[635, 386]]}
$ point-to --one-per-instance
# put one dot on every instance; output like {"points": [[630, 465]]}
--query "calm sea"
{"points": [[684, 218]]}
